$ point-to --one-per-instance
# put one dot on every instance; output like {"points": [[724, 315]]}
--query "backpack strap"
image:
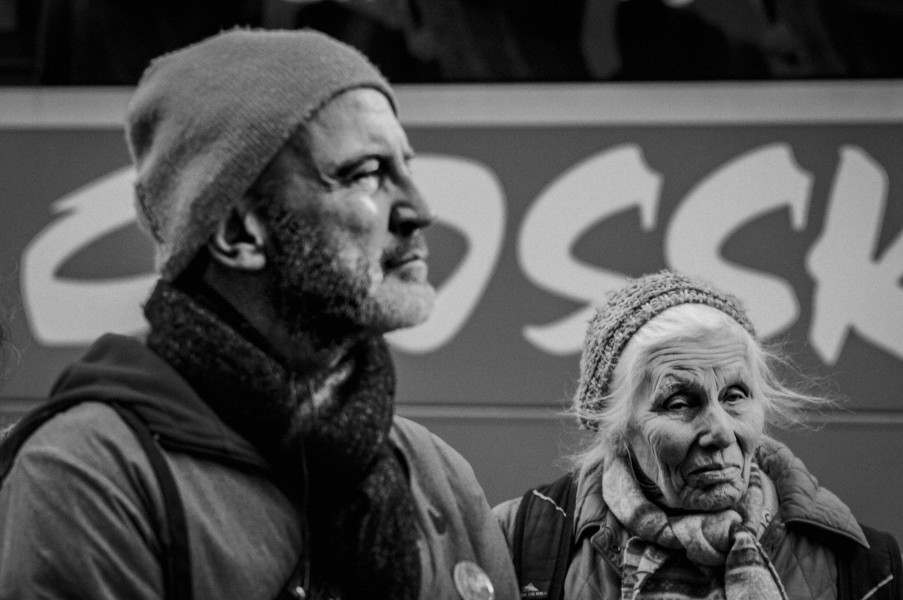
{"points": [[174, 534], [874, 573], [543, 531], [27, 425]]}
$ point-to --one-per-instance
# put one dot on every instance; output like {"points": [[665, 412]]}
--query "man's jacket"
{"points": [[81, 512]]}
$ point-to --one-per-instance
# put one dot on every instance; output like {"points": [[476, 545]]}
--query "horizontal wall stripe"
{"points": [[18, 406], [534, 104]]}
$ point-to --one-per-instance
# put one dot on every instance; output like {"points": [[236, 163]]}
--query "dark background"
{"points": [[109, 42]]}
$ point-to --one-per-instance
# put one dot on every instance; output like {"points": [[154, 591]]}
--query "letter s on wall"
{"points": [[468, 197]]}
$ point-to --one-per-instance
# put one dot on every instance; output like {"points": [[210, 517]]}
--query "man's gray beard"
{"points": [[311, 292]]}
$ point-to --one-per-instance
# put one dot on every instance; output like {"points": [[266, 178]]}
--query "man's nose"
{"points": [[410, 212], [717, 426]]}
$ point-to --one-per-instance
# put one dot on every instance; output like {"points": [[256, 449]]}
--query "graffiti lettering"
{"points": [[719, 206], [70, 312], [855, 288], [468, 198], [598, 187], [854, 291]]}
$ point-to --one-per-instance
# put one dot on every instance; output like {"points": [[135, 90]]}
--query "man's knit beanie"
{"points": [[623, 314], [207, 119]]}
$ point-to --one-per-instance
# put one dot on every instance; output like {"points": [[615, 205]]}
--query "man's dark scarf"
{"points": [[338, 466]]}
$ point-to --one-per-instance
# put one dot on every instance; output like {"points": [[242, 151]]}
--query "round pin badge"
{"points": [[472, 582]]}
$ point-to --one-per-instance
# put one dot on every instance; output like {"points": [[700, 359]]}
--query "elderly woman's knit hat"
{"points": [[624, 313], [206, 120]]}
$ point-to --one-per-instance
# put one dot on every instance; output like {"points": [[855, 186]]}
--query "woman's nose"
{"points": [[717, 426]]}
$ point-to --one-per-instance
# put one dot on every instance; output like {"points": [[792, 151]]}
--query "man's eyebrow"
{"points": [[344, 167], [347, 165]]}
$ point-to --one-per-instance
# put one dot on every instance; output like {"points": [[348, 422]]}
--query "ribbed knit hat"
{"points": [[624, 313], [207, 119]]}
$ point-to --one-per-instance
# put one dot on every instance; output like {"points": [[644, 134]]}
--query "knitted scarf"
{"points": [[336, 464], [713, 555]]}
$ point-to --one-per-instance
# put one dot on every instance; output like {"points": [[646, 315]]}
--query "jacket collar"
{"points": [[593, 520], [803, 502]]}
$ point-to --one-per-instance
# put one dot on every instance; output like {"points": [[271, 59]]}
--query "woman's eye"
{"points": [[676, 402], [734, 394]]}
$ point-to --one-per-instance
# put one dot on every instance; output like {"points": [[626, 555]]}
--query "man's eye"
{"points": [[371, 174]]}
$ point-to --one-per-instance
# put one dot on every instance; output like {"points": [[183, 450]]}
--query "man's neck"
{"points": [[311, 351], [317, 350]]}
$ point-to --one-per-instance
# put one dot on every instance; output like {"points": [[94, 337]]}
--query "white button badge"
{"points": [[472, 582]]}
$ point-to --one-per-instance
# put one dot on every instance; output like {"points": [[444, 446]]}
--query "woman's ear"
{"points": [[239, 240]]}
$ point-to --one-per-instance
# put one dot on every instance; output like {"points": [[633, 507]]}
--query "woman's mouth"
{"points": [[713, 474]]}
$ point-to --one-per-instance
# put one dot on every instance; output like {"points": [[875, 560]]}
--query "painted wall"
{"points": [[548, 196]]}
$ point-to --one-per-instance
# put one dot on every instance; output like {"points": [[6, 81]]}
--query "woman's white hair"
{"points": [[784, 407]]}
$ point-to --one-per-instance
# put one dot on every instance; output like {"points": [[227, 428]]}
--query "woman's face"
{"points": [[695, 424]]}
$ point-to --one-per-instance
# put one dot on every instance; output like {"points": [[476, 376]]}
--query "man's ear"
{"points": [[239, 240]]}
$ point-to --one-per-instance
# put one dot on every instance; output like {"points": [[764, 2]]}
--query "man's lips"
{"points": [[403, 256], [401, 261], [407, 264]]}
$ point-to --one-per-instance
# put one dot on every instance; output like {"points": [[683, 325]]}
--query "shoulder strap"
{"points": [[543, 532], [25, 427], [874, 573], [174, 533], [176, 554]]}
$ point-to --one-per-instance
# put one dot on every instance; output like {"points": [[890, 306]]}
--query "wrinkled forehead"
{"points": [[357, 122], [347, 104], [721, 353], [691, 340]]}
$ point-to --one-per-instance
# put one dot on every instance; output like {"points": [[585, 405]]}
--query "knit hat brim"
{"points": [[623, 314]]}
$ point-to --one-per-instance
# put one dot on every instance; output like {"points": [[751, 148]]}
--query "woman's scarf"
{"points": [[337, 464], [713, 555]]}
